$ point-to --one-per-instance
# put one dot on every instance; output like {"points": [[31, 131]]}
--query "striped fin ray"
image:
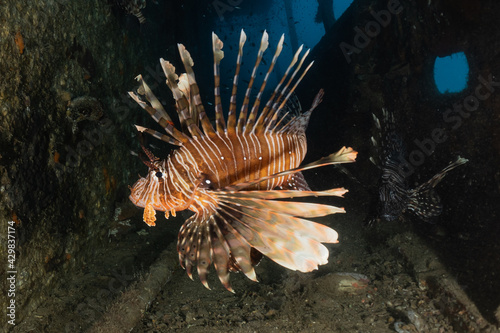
{"points": [[221, 256], [181, 101], [298, 124], [160, 115], [283, 194], [157, 112], [158, 135], [385, 140], [291, 110], [202, 242], [441, 174], [218, 55], [279, 104], [239, 249], [285, 92], [292, 242], [197, 108], [231, 118], [344, 155], [264, 44], [206, 247], [198, 243], [256, 104], [259, 125], [424, 201], [285, 207]]}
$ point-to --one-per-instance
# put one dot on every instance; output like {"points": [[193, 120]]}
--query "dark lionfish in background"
{"points": [[395, 196], [133, 7], [230, 175]]}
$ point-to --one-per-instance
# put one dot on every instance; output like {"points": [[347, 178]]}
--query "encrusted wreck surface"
{"points": [[64, 139]]}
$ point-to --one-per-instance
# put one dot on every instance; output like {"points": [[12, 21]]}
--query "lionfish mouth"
{"points": [[251, 160]]}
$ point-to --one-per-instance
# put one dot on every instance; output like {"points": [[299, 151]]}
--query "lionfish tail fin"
{"points": [[424, 200]]}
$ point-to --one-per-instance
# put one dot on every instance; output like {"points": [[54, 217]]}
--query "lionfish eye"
{"points": [[205, 183], [159, 174]]}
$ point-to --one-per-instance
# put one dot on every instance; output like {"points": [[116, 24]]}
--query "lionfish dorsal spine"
{"points": [[299, 124], [157, 112], [231, 117], [181, 102], [160, 115], [276, 95], [280, 104], [196, 110], [255, 108], [191, 96], [287, 98], [264, 44], [217, 45]]}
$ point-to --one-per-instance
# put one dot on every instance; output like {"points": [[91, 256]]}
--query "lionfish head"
{"points": [[148, 191]]}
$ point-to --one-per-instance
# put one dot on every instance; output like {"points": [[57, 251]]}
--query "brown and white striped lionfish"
{"points": [[229, 176], [395, 195]]}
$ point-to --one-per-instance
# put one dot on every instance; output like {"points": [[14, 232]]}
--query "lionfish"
{"points": [[229, 176], [395, 195], [133, 7]]}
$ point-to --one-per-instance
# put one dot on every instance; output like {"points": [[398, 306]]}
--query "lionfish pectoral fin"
{"points": [[441, 174], [278, 229], [424, 200], [292, 242], [425, 203], [203, 241], [149, 215], [248, 224]]}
